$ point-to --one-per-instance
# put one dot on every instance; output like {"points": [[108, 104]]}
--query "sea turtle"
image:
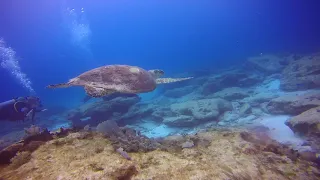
{"points": [[108, 79]]}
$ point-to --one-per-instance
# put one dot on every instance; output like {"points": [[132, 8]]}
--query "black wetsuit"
{"points": [[17, 110]]}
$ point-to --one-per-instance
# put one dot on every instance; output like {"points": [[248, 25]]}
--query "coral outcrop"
{"points": [[306, 123], [129, 140], [267, 63], [302, 74], [196, 112], [232, 93], [236, 78], [93, 113], [221, 154], [29, 144], [294, 104]]}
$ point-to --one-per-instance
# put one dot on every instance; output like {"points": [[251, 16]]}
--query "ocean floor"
{"points": [[220, 154]]}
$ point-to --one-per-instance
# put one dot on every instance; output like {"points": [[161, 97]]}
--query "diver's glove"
{"points": [[24, 110]]}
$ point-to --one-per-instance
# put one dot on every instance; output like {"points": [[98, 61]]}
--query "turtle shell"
{"points": [[119, 78]]}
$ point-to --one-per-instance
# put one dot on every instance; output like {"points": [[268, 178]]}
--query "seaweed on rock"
{"points": [[128, 139]]}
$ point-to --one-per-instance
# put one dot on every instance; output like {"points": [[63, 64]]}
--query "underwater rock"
{"points": [[19, 159], [101, 110], [227, 117], [109, 128], [33, 130], [302, 74], [126, 138], [232, 93], [294, 104], [29, 144], [199, 111], [229, 79], [9, 152], [179, 92], [160, 113], [123, 153], [44, 135], [239, 79], [187, 144], [245, 109], [257, 99], [181, 121], [125, 172], [32, 146], [137, 112], [263, 142], [210, 87], [306, 123], [267, 63]]}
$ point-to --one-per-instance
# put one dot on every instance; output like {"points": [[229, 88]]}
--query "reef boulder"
{"points": [[267, 63], [232, 93], [294, 104], [302, 74], [306, 123], [229, 79], [197, 111], [93, 113]]}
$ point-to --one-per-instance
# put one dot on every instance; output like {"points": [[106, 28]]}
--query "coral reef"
{"points": [[222, 154], [127, 139]]}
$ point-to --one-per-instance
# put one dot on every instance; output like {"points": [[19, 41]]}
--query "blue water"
{"points": [[53, 44]]}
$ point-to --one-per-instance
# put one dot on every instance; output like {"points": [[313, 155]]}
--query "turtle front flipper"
{"points": [[170, 80], [96, 91], [61, 85]]}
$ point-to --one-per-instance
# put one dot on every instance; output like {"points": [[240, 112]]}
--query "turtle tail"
{"points": [[61, 85]]}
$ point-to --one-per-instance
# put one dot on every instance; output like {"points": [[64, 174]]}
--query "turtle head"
{"points": [[156, 73]]}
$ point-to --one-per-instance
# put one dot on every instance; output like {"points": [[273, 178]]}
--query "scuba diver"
{"points": [[21, 108]]}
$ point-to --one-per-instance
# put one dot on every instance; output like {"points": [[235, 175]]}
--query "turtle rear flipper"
{"points": [[96, 92], [170, 80], [61, 85]]}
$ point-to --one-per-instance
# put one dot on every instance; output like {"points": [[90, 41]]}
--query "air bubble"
{"points": [[9, 62]]}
